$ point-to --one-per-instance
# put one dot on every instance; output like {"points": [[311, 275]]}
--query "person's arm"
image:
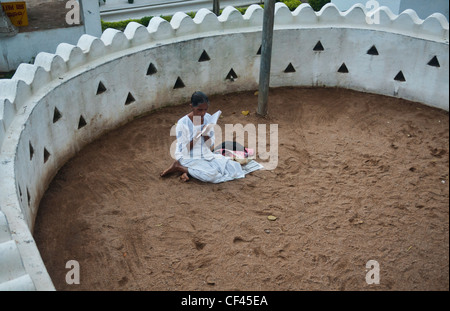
{"points": [[183, 134], [208, 141], [191, 144]]}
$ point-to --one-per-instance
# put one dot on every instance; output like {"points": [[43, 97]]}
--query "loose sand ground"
{"points": [[360, 177]]}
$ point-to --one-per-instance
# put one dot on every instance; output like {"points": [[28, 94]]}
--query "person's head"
{"points": [[199, 104]]}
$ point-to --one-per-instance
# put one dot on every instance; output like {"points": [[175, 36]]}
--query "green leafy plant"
{"points": [[7, 75], [121, 25], [292, 4], [318, 4]]}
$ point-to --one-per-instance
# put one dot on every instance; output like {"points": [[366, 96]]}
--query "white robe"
{"points": [[201, 163]]}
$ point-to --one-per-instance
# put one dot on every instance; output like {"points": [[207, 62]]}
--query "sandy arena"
{"points": [[360, 177]]}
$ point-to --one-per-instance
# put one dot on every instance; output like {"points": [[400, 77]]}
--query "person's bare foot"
{"points": [[176, 167], [171, 169], [184, 177]]}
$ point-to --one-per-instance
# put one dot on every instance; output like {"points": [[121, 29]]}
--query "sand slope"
{"points": [[360, 177]]}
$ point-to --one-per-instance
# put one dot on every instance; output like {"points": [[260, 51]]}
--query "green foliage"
{"points": [[292, 4], [317, 4], [121, 25], [241, 10], [145, 20], [7, 75], [118, 25]]}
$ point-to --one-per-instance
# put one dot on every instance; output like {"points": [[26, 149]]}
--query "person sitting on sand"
{"points": [[193, 155]]}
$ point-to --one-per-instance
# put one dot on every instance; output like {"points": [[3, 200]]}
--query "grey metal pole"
{"points": [[216, 7], [266, 56]]}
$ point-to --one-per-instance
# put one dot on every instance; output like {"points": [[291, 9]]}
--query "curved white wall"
{"points": [[50, 110], [13, 53]]}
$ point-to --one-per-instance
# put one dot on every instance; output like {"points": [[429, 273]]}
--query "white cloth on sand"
{"points": [[200, 161]]}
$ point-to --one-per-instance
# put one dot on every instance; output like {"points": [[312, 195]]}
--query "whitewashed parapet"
{"points": [[51, 108], [49, 67], [13, 275]]}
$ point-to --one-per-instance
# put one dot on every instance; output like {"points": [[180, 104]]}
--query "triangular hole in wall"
{"points": [[81, 122], [30, 147], [259, 51], [101, 88], [289, 68], [46, 155], [400, 77], [343, 68], [204, 57], [434, 62], [179, 84], [372, 51], [318, 47], [130, 99], [56, 115], [151, 70], [231, 75]]}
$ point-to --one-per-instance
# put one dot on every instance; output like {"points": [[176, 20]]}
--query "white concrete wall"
{"points": [[423, 8], [23, 47], [68, 81]]}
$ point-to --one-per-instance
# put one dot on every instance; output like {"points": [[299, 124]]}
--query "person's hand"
{"points": [[197, 135], [205, 131], [208, 128]]}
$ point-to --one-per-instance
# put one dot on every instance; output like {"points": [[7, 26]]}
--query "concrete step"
{"points": [[12, 272], [23, 283], [11, 266]]}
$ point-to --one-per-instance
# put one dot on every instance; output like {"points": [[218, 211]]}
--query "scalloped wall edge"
{"points": [[66, 58]]}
